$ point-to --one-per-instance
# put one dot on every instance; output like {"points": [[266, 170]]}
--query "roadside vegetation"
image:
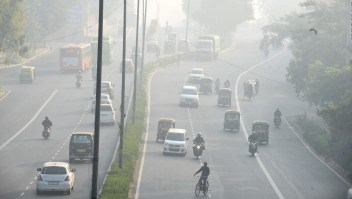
{"points": [[119, 180], [320, 71]]}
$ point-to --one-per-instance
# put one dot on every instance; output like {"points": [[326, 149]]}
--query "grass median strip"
{"points": [[118, 182]]}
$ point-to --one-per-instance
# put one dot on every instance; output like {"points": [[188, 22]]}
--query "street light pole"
{"points": [[135, 68], [187, 21], [143, 40]]}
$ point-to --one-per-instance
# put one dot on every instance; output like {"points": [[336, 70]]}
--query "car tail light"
{"points": [[67, 178], [39, 178]]}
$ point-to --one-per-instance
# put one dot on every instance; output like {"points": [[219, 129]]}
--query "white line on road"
{"points": [[30, 121], [267, 175], [7, 93]]}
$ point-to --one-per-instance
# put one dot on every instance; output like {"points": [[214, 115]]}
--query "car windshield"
{"points": [[189, 91], [106, 108], [82, 139], [54, 170], [175, 136], [197, 71]]}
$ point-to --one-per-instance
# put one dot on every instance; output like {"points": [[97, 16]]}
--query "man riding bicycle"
{"points": [[205, 173]]}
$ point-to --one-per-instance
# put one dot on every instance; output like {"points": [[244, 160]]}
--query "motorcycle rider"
{"points": [[277, 115], [227, 84], [205, 173], [199, 140], [253, 138], [79, 76], [47, 123]]}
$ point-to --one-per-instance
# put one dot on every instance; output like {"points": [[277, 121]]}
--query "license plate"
{"points": [[81, 150], [173, 149], [53, 182]]}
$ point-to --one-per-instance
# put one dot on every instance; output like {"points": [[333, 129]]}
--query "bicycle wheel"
{"points": [[197, 189], [206, 188]]}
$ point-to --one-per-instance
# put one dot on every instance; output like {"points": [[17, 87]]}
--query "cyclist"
{"points": [[205, 173]]}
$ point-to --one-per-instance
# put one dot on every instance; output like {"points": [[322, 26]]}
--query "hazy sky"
{"points": [[169, 10]]}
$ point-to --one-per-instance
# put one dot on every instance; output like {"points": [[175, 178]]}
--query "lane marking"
{"points": [[6, 94], [30, 121], [316, 156], [266, 173]]}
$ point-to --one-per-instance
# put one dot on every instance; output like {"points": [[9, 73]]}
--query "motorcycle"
{"points": [[253, 146], [277, 122], [46, 132], [78, 83], [198, 150]]}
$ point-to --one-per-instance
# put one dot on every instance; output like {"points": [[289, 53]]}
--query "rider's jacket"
{"points": [[198, 140], [253, 137], [205, 171], [47, 123], [277, 113], [79, 77]]}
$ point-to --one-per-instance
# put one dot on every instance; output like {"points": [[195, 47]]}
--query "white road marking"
{"points": [[266, 173], [30, 121], [7, 93], [27, 188], [22, 193], [317, 157]]}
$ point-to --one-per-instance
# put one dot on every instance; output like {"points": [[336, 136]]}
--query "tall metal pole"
{"points": [[135, 68], [94, 189], [143, 40], [187, 21], [122, 107]]}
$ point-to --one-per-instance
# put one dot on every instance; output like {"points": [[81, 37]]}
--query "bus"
{"points": [[107, 50], [75, 57]]}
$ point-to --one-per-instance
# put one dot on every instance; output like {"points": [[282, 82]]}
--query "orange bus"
{"points": [[75, 57]]}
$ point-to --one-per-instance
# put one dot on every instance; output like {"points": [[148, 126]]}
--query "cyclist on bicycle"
{"points": [[205, 173]]}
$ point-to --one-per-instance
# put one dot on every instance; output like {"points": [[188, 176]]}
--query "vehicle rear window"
{"points": [[189, 91], [82, 139], [54, 170], [175, 136], [105, 108], [197, 72]]}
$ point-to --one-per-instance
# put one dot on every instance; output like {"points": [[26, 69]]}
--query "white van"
{"points": [[176, 142]]}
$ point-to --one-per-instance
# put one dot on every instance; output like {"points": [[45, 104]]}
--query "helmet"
{"points": [[46, 117], [205, 163], [199, 135]]}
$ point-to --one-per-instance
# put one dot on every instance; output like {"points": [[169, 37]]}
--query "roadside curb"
{"points": [[331, 163], [44, 52]]}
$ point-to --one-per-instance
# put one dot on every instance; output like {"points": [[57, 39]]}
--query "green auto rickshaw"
{"points": [[224, 97], [27, 74], [164, 125], [232, 120], [205, 85], [262, 129]]}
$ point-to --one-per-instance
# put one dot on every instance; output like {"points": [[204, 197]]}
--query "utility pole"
{"points": [[135, 68], [187, 20], [94, 189], [143, 40]]}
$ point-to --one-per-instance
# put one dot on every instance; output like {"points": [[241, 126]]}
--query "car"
{"points": [[107, 114], [106, 87], [129, 66], [139, 58], [349, 193], [189, 96], [195, 75], [55, 176], [104, 99], [153, 47], [81, 146], [175, 142]]}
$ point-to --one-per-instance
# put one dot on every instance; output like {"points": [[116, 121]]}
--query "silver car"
{"points": [[55, 176]]}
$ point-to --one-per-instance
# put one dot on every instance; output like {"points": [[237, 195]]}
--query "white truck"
{"points": [[208, 47]]}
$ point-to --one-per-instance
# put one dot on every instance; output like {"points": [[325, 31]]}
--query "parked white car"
{"points": [[189, 96], [55, 176], [104, 99], [107, 114], [175, 142], [195, 75]]}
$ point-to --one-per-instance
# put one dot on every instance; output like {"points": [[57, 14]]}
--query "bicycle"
{"points": [[200, 187]]}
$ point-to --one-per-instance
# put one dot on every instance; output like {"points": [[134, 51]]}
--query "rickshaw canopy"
{"points": [[206, 80], [232, 115], [225, 91]]}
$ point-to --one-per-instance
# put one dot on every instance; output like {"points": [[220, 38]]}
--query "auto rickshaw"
{"points": [[249, 89], [164, 125], [262, 129], [232, 120], [27, 74], [224, 97], [205, 85]]}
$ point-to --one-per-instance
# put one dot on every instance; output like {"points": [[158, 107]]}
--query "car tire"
{"points": [[68, 192]]}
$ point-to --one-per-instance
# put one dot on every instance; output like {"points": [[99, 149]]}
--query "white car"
{"points": [[55, 176], [349, 194], [175, 142], [104, 99], [106, 87], [189, 96], [107, 114], [195, 75]]}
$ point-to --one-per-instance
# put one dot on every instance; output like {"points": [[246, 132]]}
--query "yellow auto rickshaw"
{"points": [[232, 120], [27, 74], [262, 130], [205, 85], [224, 97], [164, 125]]}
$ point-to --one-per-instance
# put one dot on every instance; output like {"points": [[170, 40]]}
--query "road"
{"points": [[284, 168], [53, 94]]}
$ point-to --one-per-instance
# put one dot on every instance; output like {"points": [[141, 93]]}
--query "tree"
{"points": [[220, 17]]}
